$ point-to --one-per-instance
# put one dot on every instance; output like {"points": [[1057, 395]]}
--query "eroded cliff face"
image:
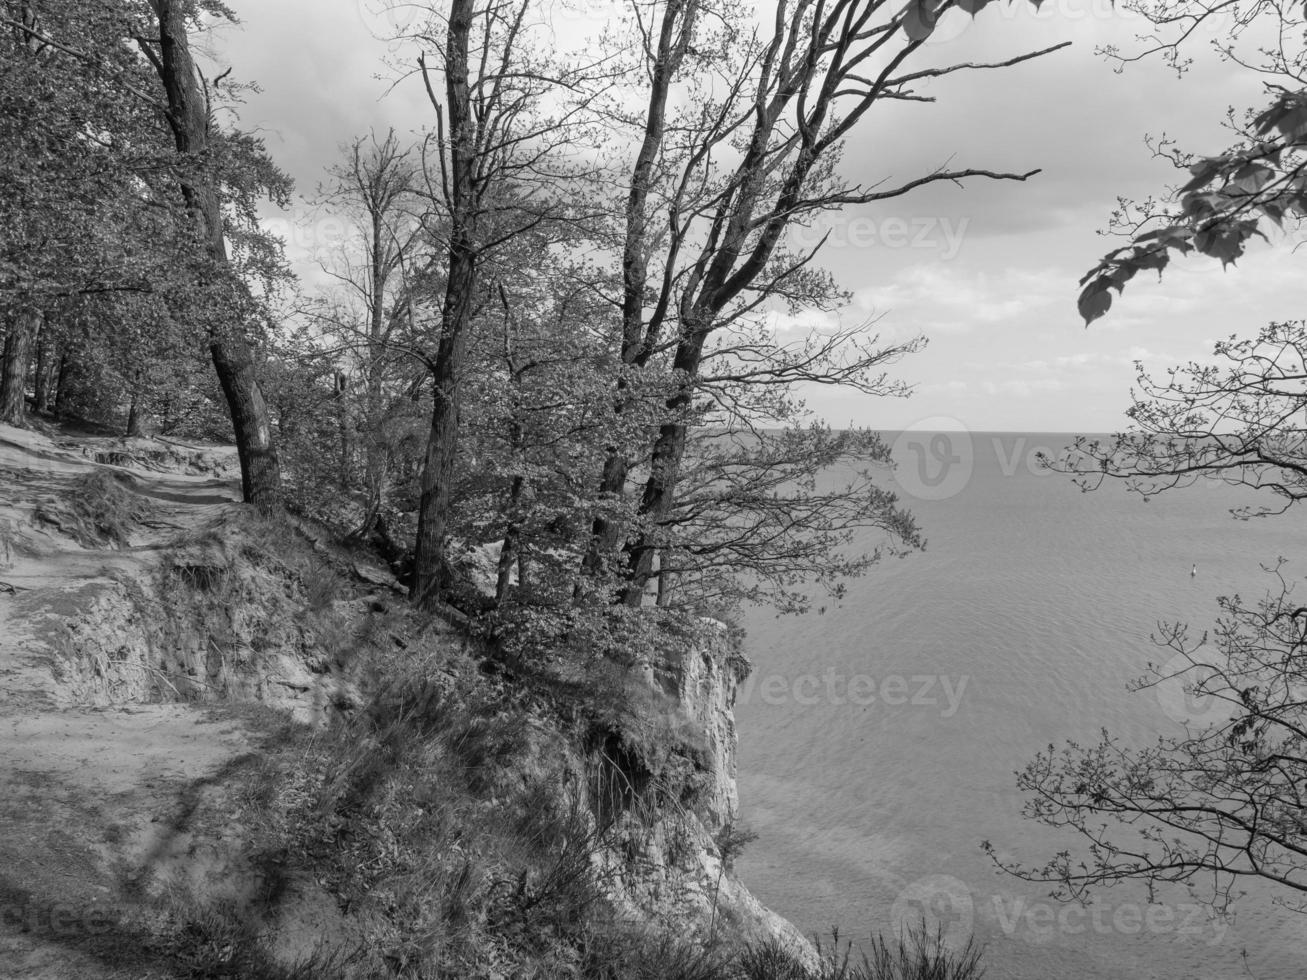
{"points": [[195, 622], [676, 868], [133, 575]]}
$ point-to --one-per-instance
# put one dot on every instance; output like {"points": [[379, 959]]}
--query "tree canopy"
{"points": [[542, 373]]}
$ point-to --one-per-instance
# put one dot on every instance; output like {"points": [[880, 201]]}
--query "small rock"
{"points": [[375, 576]]}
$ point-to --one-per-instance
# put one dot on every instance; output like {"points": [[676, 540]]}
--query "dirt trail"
{"points": [[94, 799]]}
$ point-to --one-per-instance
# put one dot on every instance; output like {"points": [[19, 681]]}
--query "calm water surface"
{"points": [[1031, 609]]}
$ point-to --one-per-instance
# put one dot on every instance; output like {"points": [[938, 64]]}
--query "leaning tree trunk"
{"points": [[13, 374], [233, 359], [260, 469]]}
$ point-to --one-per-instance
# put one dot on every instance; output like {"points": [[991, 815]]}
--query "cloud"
{"points": [[955, 300], [1021, 388]]}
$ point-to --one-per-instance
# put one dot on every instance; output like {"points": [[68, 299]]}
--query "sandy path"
{"points": [[93, 800]]}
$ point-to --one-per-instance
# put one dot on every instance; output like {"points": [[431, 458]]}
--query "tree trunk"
{"points": [[376, 462], [13, 373], [666, 584], [664, 469], [510, 549], [343, 423], [655, 504], [260, 470], [61, 377], [673, 40], [376, 458], [42, 382], [430, 565], [604, 532], [134, 417], [504, 571], [233, 360]]}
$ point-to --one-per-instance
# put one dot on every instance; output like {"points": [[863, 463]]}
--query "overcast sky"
{"points": [[987, 271]]}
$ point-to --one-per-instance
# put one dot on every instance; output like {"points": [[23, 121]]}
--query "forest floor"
{"points": [[96, 801]]}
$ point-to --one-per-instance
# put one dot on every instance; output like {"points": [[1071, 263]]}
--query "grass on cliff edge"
{"points": [[437, 816], [437, 821]]}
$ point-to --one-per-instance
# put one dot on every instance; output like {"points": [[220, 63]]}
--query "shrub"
{"points": [[917, 954]]}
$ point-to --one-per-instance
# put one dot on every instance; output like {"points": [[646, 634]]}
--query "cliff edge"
{"points": [[228, 748]]}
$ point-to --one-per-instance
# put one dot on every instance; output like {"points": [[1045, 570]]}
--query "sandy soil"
{"points": [[95, 802]]}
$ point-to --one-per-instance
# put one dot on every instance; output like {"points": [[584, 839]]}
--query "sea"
{"points": [[880, 735]]}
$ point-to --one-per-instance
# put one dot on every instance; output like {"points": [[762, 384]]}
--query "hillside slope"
{"points": [[228, 748]]}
